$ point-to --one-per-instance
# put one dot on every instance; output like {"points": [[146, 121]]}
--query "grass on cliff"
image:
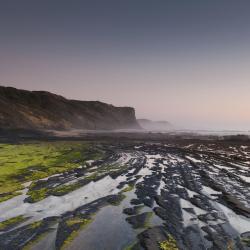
{"points": [[20, 163]]}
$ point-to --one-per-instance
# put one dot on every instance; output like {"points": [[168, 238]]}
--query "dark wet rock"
{"points": [[136, 202], [245, 239], [115, 199], [218, 238], [170, 203], [147, 189], [18, 238], [161, 212], [115, 174], [236, 205], [201, 202], [51, 220], [121, 184], [129, 211], [92, 207], [142, 190], [189, 210], [182, 193], [28, 199], [129, 178], [137, 177], [139, 220], [173, 222], [148, 201], [207, 217], [11, 225], [150, 238], [191, 238], [132, 210], [63, 232], [245, 235], [131, 182], [67, 226]]}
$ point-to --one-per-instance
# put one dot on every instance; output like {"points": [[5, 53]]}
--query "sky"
{"points": [[187, 62]]}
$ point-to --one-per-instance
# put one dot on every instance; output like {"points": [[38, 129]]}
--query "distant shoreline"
{"points": [[122, 135]]}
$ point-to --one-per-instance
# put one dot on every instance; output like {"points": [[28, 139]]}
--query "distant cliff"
{"points": [[43, 110]]}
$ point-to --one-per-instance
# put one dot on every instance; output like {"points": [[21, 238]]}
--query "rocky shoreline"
{"points": [[184, 195]]}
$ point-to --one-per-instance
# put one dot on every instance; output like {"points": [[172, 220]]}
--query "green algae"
{"points": [[37, 195], [128, 188], [169, 244], [20, 163], [11, 222]]}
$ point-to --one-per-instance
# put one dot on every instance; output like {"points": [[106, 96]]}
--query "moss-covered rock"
{"points": [[7, 224]]}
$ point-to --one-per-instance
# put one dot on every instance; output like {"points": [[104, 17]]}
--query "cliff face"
{"points": [[44, 110]]}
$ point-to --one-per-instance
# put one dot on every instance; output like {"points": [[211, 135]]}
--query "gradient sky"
{"points": [[187, 61]]}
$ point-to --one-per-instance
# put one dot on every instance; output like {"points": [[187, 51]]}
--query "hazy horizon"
{"points": [[184, 62]]}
